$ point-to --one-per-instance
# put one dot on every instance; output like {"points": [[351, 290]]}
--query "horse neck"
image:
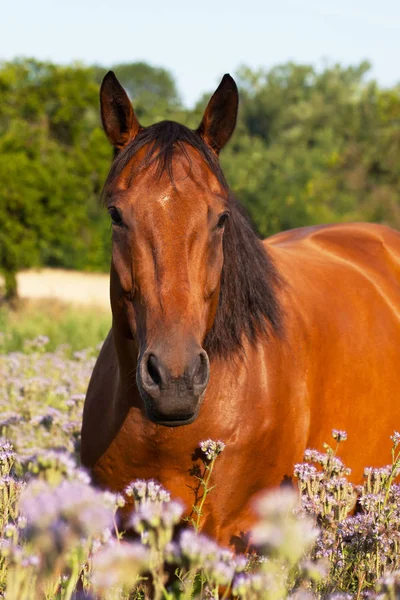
{"points": [[127, 356]]}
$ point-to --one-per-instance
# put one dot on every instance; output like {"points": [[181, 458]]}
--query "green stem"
{"points": [[118, 534], [395, 465], [159, 587], [73, 579], [205, 483]]}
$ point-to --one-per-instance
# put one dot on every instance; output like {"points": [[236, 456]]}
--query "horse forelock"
{"points": [[248, 302], [162, 140]]}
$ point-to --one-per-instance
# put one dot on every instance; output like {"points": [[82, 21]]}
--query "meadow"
{"points": [[60, 536], [79, 327]]}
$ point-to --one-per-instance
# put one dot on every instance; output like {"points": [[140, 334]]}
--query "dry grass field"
{"points": [[68, 307], [67, 286]]}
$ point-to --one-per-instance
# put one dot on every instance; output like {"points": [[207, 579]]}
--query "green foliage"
{"points": [[50, 173], [315, 147], [63, 324], [310, 147], [152, 90]]}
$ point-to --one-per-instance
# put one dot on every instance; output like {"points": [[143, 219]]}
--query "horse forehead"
{"points": [[178, 200], [191, 170], [187, 173], [163, 201], [169, 202]]}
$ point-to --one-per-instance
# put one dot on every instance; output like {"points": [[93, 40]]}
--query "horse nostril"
{"points": [[153, 370], [156, 378], [202, 370]]}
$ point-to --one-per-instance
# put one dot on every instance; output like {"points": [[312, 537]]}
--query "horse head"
{"points": [[169, 206]]}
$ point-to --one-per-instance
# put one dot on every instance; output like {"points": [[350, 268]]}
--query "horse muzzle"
{"points": [[173, 400]]}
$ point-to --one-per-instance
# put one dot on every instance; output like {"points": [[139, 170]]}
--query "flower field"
{"points": [[59, 536]]}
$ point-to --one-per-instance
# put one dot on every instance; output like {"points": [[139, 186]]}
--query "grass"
{"points": [[79, 327]]}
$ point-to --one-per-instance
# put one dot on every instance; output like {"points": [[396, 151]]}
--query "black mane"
{"points": [[248, 303], [163, 139]]}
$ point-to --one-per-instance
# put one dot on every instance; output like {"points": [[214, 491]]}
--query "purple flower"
{"points": [[156, 514], [339, 435], [81, 507], [147, 491], [212, 448], [118, 564], [196, 548], [395, 439]]}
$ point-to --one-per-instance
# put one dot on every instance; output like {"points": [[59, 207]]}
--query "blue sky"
{"points": [[199, 40]]}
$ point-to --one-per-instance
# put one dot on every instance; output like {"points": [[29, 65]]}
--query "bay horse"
{"points": [[266, 346]]}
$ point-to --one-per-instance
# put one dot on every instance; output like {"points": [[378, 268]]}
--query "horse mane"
{"points": [[248, 303]]}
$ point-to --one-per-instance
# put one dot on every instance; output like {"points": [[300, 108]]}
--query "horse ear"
{"points": [[219, 119], [119, 121]]}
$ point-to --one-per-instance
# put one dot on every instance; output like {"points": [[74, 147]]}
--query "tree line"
{"points": [[310, 147]]}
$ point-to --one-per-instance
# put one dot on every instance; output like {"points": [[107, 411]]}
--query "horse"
{"points": [[216, 334]]}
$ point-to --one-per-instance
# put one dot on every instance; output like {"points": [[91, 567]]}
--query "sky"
{"points": [[200, 40]]}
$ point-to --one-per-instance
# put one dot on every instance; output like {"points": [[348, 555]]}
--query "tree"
{"points": [[47, 114], [54, 159], [310, 147]]}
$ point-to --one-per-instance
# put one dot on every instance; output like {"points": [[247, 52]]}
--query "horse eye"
{"points": [[222, 220], [115, 216]]}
